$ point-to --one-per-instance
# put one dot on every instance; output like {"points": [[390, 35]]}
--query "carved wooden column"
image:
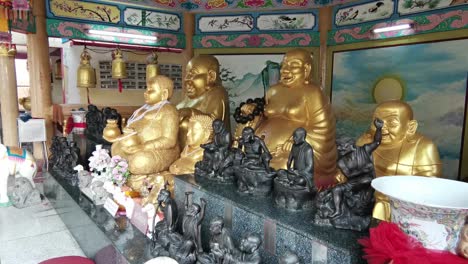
{"points": [[8, 95], [39, 71], [325, 23]]}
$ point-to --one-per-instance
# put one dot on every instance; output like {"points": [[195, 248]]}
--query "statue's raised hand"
{"points": [[378, 123]]}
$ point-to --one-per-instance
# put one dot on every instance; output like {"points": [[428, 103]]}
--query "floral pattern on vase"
{"points": [[436, 228]]}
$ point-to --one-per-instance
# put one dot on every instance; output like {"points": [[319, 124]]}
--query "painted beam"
{"points": [[75, 30]]}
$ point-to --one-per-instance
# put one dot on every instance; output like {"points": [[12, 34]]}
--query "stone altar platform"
{"points": [[279, 228]]}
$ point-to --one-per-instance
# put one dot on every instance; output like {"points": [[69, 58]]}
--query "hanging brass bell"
{"points": [[86, 76], [119, 69], [152, 67]]}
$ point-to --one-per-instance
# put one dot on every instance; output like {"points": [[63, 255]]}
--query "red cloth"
{"points": [[388, 243], [68, 260]]}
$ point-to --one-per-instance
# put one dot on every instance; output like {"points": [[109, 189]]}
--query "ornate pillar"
{"points": [[325, 23], [8, 94], [39, 71]]}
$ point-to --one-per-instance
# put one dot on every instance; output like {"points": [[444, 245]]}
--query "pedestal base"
{"points": [[280, 229]]}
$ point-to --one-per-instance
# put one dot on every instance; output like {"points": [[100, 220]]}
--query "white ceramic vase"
{"points": [[432, 210], [79, 121]]}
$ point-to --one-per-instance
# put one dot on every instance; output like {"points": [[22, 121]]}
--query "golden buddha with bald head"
{"points": [[403, 151], [149, 142], [203, 93], [296, 101]]}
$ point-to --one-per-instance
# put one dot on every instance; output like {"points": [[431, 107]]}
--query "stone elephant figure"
{"points": [[17, 162]]}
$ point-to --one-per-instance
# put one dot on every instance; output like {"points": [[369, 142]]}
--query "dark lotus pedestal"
{"points": [[280, 229]]}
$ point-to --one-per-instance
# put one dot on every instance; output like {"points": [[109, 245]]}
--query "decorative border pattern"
{"points": [[423, 24], [74, 30], [272, 40], [227, 5]]}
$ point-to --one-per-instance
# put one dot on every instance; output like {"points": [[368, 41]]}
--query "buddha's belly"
{"points": [[277, 131]]}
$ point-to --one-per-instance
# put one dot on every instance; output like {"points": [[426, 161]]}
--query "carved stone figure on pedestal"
{"points": [[191, 225], [64, 158], [94, 127], [254, 175], [247, 253], [294, 187], [220, 240], [215, 153], [204, 94], [348, 205], [163, 230], [403, 150]]}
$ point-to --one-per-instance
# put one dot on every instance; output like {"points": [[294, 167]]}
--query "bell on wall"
{"points": [[119, 69], [86, 76], [152, 67]]}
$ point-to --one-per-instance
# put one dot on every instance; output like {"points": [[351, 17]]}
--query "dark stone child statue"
{"points": [[349, 205], [294, 187], [254, 175], [213, 164], [248, 252]]}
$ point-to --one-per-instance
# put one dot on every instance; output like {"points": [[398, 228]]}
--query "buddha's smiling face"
{"points": [[197, 78], [396, 124], [295, 70], [155, 94]]}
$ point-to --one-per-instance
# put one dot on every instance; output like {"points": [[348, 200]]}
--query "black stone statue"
{"points": [[191, 225], [248, 252], [294, 187], [215, 153], [166, 241], [64, 157], [349, 205], [220, 239], [254, 175], [96, 121]]}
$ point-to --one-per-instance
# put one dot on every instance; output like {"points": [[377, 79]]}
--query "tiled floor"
{"points": [[34, 234]]}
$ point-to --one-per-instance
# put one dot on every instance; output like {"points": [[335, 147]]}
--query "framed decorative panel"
{"points": [[237, 23], [431, 77], [287, 21], [407, 7], [364, 12], [152, 19], [70, 9]]}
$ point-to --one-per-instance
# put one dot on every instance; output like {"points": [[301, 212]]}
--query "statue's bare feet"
{"points": [[335, 214]]}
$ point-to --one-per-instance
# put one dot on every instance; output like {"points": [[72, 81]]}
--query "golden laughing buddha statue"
{"points": [[298, 102], [203, 94], [149, 142], [403, 151]]}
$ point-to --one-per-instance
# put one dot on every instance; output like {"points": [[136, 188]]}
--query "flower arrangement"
{"points": [[99, 162], [119, 170]]}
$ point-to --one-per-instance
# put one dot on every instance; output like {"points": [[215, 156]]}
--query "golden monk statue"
{"points": [[200, 131], [403, 151], [298, 102], [203, 94], [149, 142]]}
